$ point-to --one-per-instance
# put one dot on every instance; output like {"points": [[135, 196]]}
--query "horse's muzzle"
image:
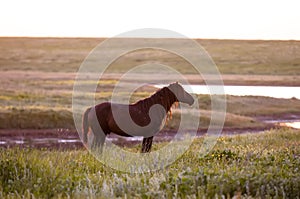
{"points": [[191, 102]]}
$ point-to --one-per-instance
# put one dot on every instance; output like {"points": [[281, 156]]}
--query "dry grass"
{"points": [[231, 56], [255, 57], [38, 76]]}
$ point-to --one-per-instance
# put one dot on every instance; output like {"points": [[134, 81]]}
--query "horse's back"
{"points": [[107, 112], [124, 119]]}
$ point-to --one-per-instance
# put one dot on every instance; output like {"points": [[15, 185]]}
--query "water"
{"points": [[36, 141], [130, 139], [267, 91], [285, 92], [12, 140], [68, 141], [295, 125], [289, 123]]}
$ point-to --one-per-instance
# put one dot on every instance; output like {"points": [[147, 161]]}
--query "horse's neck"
{"points": [[164, 97]]}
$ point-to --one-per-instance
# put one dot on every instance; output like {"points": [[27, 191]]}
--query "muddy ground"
{"points": [[69, 139]]}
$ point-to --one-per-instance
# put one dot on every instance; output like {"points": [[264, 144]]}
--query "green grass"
{"points": [[262, 165]]}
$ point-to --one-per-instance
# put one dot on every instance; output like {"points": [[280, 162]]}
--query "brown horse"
{"points": [[143, 118]]}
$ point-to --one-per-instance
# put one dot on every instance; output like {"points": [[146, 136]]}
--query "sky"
{"points": [[215, 19]]}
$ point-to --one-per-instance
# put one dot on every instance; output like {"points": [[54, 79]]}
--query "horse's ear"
{"points": [[176, 82]]}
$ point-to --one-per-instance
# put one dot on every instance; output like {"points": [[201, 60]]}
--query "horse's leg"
{"points": [[98, 141], [147, 143]]}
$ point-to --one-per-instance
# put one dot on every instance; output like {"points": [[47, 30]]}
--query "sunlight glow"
{"points": [[230, 19]]}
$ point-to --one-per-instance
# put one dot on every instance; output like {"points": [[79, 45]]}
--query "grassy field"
{"points": [[36, 100], [262, 165], [42, 109], [231, 56], [37, 77]]}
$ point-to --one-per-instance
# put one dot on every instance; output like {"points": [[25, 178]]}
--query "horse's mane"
{"points": [[163, 96]]}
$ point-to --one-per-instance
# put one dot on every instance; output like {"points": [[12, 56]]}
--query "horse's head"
{"points": [[181, 94]]}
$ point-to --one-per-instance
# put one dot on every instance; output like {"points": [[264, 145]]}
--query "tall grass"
{"points": [[263, 165]]}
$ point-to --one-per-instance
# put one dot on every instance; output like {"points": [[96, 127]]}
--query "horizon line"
{"points": [[94, 37]]}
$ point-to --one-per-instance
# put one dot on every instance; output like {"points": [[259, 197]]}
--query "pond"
{"points": [[295, 123], [285, 92]]}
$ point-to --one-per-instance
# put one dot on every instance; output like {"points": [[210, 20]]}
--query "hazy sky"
{"points": [[223, 19]]}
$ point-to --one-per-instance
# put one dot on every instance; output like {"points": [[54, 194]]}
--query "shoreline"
{"points": [[69, 138]]}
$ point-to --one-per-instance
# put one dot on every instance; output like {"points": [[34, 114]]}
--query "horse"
{"points": [[143, 118]]}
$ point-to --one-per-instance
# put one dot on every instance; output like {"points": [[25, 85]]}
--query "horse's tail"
{"points": [[85, 125]]}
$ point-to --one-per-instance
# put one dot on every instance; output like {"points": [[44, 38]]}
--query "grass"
{"points": [[231, 56], [254, 57], [39, 108], [35, 110], [38, 76], [35, 118], [263, 165], [262, 106]]}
